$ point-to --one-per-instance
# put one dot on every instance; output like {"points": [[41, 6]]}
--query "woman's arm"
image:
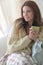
{"points": [[18, 45], [14, 42]]}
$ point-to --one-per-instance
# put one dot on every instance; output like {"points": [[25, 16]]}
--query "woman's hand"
{"points": [[32, 34]]}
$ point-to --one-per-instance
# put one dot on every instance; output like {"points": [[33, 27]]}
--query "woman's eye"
{"points": [[28, 11]]}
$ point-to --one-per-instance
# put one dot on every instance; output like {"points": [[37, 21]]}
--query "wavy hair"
{"points": [[36, 10]]}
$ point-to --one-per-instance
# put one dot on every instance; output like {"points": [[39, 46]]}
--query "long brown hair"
{"points": [[36, 10], [37, 15]]}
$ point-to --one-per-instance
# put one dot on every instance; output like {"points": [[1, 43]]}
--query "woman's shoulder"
{"points": [[19, 20], [18, 23]]}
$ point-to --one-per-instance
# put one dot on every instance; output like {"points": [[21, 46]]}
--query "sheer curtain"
{"points": [[3, 24], [9, 11]]}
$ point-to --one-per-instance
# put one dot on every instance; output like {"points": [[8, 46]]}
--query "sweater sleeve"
{"points": [[14, 42], [18, 45]]}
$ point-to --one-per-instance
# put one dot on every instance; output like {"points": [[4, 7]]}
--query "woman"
{"points": [[23, 36]]}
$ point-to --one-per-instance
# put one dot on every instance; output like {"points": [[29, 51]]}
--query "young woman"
{"points": [[22, 38]]}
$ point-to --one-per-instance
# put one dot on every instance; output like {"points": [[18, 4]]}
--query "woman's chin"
{"points": [[26, 20]]}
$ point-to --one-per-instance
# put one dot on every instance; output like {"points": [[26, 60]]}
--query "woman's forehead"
{"points": [[27, 7]]}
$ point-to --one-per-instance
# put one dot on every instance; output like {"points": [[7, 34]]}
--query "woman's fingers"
{"points": [[32, 35]]}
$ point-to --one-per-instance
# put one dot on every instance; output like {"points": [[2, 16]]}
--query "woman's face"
{"points": [[28, 14]]}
